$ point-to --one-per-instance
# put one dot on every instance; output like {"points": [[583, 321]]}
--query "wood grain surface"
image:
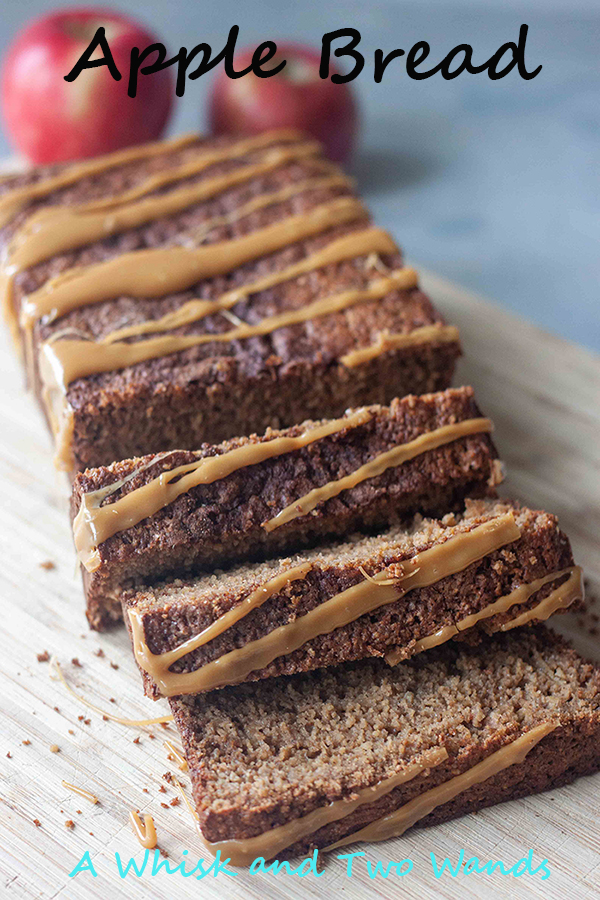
{"points": [[544, 396]]}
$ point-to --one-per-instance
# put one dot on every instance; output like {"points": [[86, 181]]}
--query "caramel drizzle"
{"points": [[185, 799], [270, 198], [102, 493], [14, 200], [87, 795], [105, 715], [56, 229], [396, 823], [94, 524], [377, 466], [560, 598], [164, 270], [274, 156], [174, 754], [368, 241], [269, 844], [357, 243], [292, 140], [145, 832], [254, 600], [69, 360], [62, 424], [425, 568], [386, 341]]}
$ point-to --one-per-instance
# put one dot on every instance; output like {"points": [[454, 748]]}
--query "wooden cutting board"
{"points": [[544, 396]]}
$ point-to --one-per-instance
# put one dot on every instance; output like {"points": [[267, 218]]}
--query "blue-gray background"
{"points": [[492, 184]]}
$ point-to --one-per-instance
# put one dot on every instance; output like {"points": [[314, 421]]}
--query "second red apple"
{"points": [[294, 98]]}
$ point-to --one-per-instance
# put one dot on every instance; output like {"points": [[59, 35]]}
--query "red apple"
{"points": [[51, 120], [294, 98]]}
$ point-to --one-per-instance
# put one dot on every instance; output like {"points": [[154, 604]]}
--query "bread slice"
{"points": [[238, 514], [196, 289], [448, 732], [395, 594]]}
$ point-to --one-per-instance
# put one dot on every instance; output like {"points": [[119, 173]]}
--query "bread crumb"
{"points": [[26, 742], [99, 652], [9, 755], [71, 731], [37, 823], [165, 805], [174, 802], [136, 740], [54, 748], [44, 656], [48, 565], [69, 823], [114, 665], [75, 662]]}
